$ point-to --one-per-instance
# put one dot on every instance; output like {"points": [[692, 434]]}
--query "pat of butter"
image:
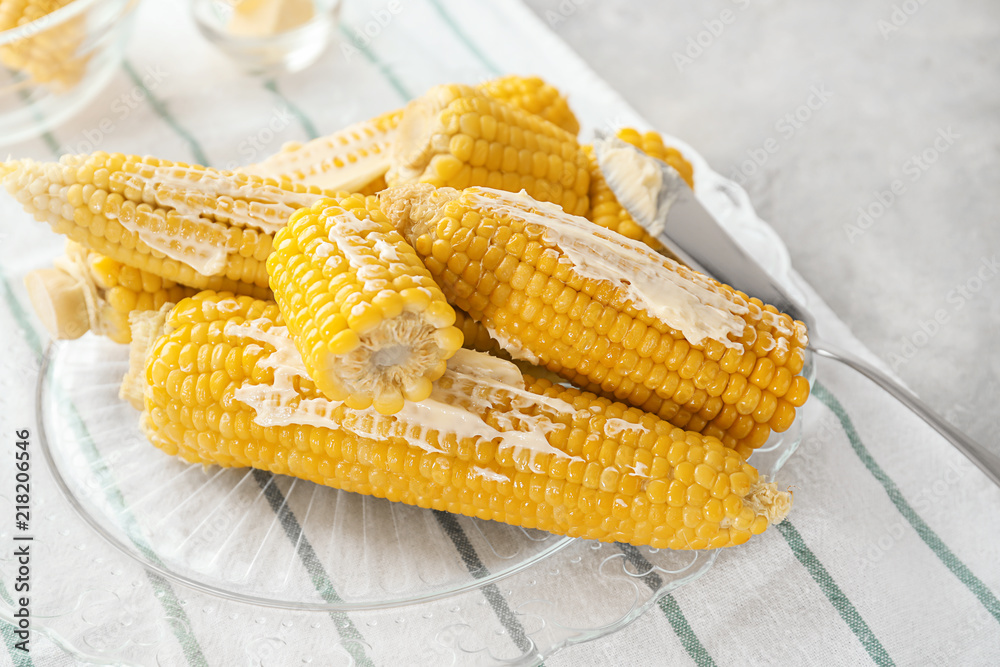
{"points": [[261, 18], [638, 179]]}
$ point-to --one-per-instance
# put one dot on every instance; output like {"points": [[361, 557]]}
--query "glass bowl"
{"points": [[255, 48], [53, 66]]}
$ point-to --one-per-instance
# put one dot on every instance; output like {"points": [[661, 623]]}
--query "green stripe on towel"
{"points": [[161, 110], [476, 568], [833, 593], [20, 658], [304, 120], [668, 605], [350, 636], [387, 73], [936, 544], [462, 37]]}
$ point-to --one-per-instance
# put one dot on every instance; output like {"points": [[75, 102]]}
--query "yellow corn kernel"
{"points": [[534, 95]]}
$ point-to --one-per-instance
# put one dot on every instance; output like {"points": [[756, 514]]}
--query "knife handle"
{"points": [[984, 459]]}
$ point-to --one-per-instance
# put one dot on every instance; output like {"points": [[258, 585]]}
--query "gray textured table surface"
{"points": [[865, 133]]}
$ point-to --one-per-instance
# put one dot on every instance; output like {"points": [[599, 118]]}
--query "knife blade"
{"points": [[676, 218]]}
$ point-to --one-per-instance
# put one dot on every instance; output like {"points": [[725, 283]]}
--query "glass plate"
{"points": [[290, 555]]}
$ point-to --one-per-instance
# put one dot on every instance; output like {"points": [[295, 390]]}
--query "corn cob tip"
{"points": [[766, 500], [147, 327], [412, 207], [65, 296]]}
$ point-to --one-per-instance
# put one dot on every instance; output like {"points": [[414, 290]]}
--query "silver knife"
{"points": [[660, 201]]}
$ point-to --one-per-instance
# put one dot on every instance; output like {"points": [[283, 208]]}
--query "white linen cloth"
{"points": [[891, 554]]}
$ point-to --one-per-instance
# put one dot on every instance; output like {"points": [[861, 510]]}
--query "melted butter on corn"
{"points": [[345, 232], [229, 198], [192, 193], [510, 346], [453, 409], [690, 304], [386, 252], [615, 426]]}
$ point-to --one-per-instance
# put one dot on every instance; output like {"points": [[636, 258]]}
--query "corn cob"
{"points": [[85, 291], [224, 386], [189, 224], [608, 312], [366, 316], [456, 136], [356, 158], [352, 159], [48, 55], [606, 211]]}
